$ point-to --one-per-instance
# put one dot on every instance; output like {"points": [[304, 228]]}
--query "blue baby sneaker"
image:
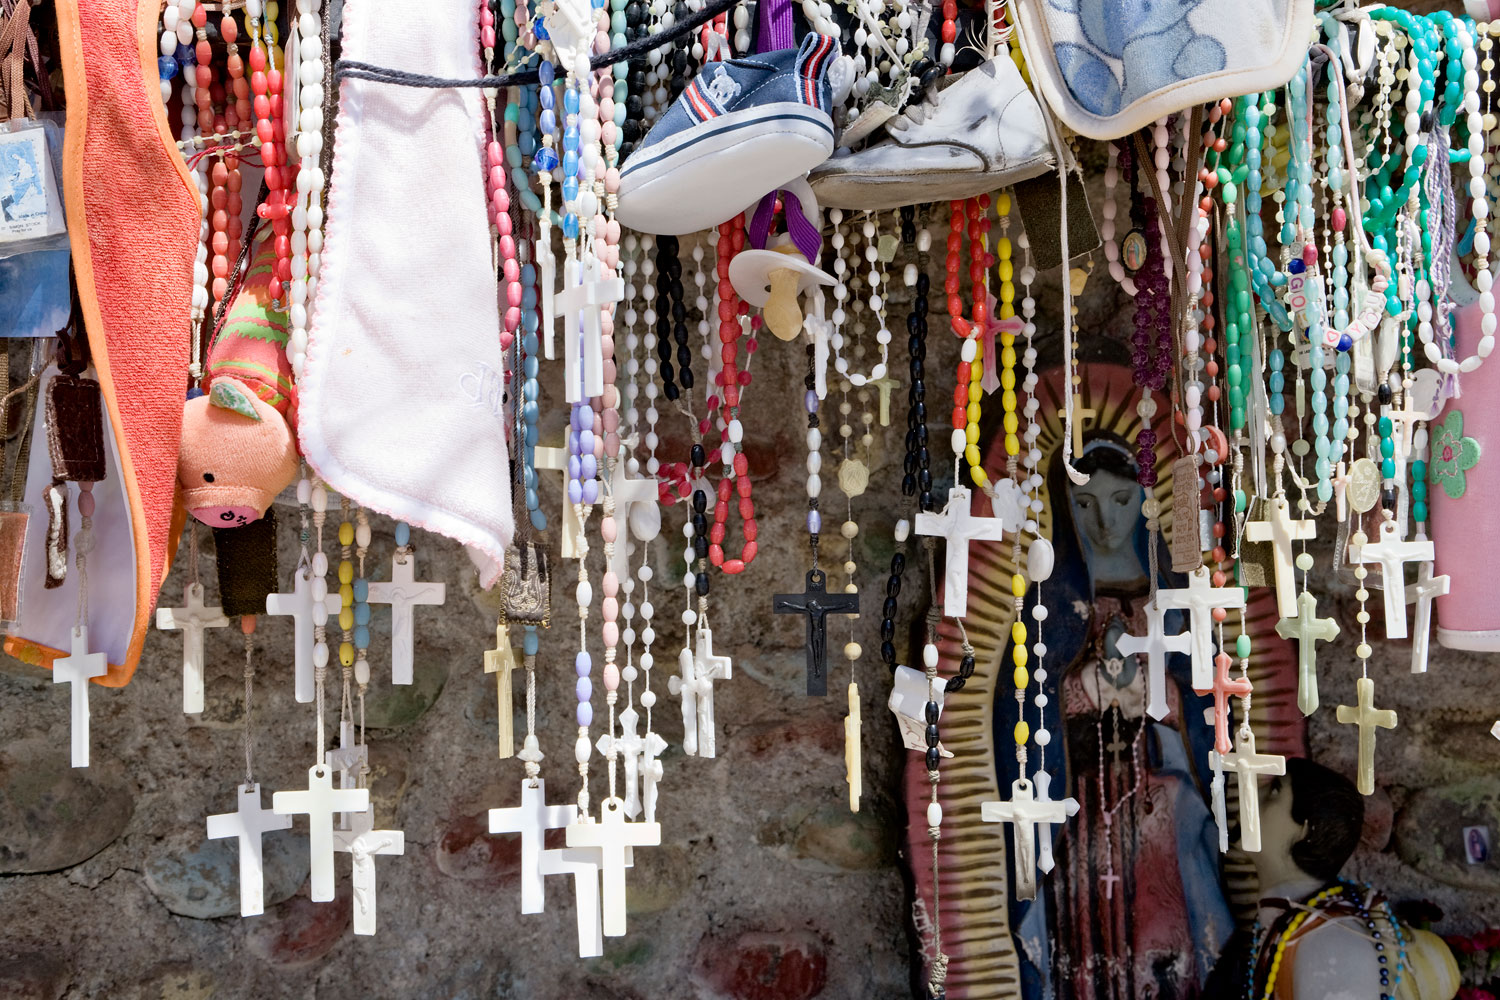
{"points": [[740, 130]]}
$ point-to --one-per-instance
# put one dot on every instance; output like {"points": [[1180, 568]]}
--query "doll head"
{"points": [[237, 453]]}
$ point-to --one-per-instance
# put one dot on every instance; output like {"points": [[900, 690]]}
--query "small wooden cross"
{"points": [[1024, 811], [1368, 718], [249, 822], [363, 843], [584, 298], [614, 838], [1247, 766], [1392, 554], [403, 593], [298, 605], [77, 669], [556, 460], [1281, 531], [1422, 592], [852, 764], [319, 801], [1080, 412], [532, 819], [958, 526], [1155, 644], [193, 618], [1307, 628], [885, 386], [501, 661], [1223, 687], [1199, 600], [817, 604], [583, 864]]}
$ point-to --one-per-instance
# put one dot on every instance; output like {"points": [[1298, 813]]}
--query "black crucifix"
{"points": [[817, 604]]}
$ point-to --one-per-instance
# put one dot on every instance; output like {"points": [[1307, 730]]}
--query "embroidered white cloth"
{"points": [[401, 394]]}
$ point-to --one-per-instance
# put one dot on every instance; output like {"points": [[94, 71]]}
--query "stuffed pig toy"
{"points": [[239, 444]]}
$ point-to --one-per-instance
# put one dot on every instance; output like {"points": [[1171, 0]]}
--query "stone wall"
{"points": [[766, 887]]}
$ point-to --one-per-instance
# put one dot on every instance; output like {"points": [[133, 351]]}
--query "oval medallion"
{"points": [[1133, 251], [1363, 489]]}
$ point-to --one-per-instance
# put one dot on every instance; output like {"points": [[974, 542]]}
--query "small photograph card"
{"points": [[29, 204]]}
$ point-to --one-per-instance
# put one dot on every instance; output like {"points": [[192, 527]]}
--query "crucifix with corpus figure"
{"points": [[1247, 766], [817, 604], [193, 618], [1024, 812], [363, 843], [404, 593]]}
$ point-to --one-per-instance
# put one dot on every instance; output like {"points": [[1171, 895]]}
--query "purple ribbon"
{"points": [[805, 236], [775, 26]]}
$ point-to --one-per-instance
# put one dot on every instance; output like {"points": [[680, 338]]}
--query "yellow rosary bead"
{"points": [[346, 619], [1017, 585], [346, 572], [346, 653], [1017, 631], [346, 595], [1018, 656], [1023, 733], [346, 533]]}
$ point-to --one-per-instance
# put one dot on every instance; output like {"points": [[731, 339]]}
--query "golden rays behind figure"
{"points": [[973, 868]]}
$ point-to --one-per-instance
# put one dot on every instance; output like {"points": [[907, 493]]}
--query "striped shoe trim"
{"points": [[810, 69], [733, 121]]}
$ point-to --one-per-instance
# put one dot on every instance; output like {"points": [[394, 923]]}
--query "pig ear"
{"points": [[233, 396]]}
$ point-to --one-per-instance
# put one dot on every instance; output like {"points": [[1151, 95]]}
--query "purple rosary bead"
{"points": [[814, 522]]}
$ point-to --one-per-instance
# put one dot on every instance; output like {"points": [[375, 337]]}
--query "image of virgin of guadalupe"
{"points": [[1136, 904]]}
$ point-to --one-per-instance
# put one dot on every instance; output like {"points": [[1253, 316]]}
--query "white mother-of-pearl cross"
{"points": [[1248, 766], [1024, 811], [614, 838], [403, 593], [627, 746], [958, 526], [350, 760], [193, 618], [707, 668], [532, 819], [501, 661], [651, 773], [77, 669], [1155, 644], [1281, 531], [1422, 592], [299, 606], [637, 505], [583, 299], [1043, 782], [249, 822], [685, 687], [363, 843], [583, 864], [319, 801], [1392, 554], [1200, 599]]}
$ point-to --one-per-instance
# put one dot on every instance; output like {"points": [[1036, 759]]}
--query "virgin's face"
{"points": [[1106, 509]]}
